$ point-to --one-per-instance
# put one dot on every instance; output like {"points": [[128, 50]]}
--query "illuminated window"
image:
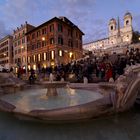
{"points": [[34, 67], [60, 52], [52, 54], [29, 60], [44, 56], [44, 65], [29, 67], [70, 54], [34, 58], [51, 40], [23, 59], [39, 57]]}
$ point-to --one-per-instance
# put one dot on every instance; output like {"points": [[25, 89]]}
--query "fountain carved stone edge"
{"points": [[118, 97]]}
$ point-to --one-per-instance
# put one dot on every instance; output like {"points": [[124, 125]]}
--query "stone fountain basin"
{"points": [[87, 110]]}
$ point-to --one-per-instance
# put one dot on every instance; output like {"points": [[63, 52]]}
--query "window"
{"points": [[28, 38], [19, 50], [23, 40], [80, 37], [23, 32], [44, 56], [19, 42], [76, 34], [43, 31], [70, 43], [38, 33], [15, 44], [29, 59], [68, 32], [111, 27], [23, 48], [43, 43], [52, 54], [33, 36], [127, 22], [23, 59], [33, 47], [51, 40], [60, 40], [60, 28], [39, 57], [19, 60], [60, 53], [52, 28], [34, 58], [38, 44]]}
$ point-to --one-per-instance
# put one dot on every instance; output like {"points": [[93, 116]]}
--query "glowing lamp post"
{"points": [[43, 38], [70, 54]]}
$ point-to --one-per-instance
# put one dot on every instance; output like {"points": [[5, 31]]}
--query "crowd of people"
{"points": [[104, 68]]}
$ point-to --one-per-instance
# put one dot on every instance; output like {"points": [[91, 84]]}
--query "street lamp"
{"points": [[43, 38], [70, 54]]}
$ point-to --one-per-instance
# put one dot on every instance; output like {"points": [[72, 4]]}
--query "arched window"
{"points": [[127, 22], [111, 27]]}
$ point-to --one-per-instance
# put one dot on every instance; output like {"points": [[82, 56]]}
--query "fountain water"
{"points": [[52, 86]]}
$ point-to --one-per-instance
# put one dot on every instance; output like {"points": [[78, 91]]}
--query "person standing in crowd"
{"points": [[108, 73]]}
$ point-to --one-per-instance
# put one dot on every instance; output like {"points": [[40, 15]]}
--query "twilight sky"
{"points": [[91, 16]]}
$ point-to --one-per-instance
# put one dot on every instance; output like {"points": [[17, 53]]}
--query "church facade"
{"points": [[117, 35]]}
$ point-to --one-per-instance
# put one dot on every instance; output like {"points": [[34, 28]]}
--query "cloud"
{"points": [[83, 13], [3, 30], [16, 10], [80, 12], [38, 11], [96, 30]]}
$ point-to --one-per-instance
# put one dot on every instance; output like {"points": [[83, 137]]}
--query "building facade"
{"points": [[117, 35], [6, 52], [20, 45], [57, 41]]}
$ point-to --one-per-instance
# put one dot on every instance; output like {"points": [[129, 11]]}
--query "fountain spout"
{"points": [[51, 77]]}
